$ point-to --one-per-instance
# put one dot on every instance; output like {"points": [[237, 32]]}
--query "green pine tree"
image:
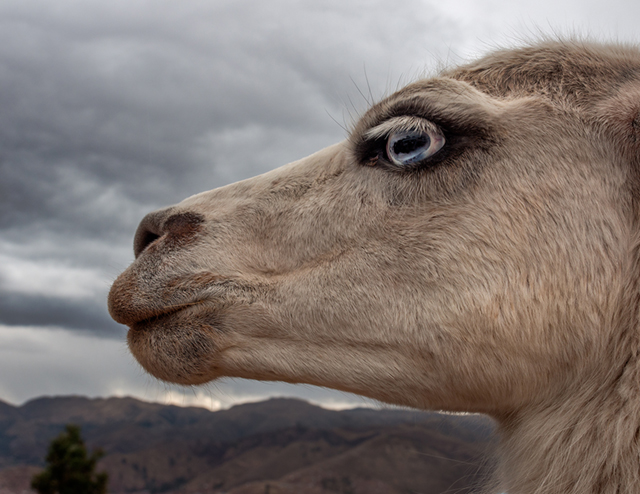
{"points": [[69, 470]]}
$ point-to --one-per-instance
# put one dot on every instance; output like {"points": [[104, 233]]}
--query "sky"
{"points": [[109, 110]]}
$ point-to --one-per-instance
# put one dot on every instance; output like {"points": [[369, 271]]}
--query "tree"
{"points": [[69, 470]]}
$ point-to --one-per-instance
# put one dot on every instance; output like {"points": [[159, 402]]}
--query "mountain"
{"points": [[276, 446]]}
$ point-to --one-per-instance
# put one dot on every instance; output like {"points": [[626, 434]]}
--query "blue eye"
{"points": [[412, 146]]}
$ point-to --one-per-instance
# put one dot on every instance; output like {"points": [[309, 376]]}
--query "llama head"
{"points": [[470, 246]]}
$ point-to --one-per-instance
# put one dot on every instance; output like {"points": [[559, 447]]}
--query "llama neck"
{"points": [[589, 445]]}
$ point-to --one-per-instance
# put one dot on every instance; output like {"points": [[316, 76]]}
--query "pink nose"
{"points": [[178, 227]]}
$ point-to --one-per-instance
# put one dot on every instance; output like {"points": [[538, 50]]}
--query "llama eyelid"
{"points": [[406, 123]]}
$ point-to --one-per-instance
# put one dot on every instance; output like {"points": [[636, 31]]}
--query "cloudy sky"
{"points": [[109, 110]]}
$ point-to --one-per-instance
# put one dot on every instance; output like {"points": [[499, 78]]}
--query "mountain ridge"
{"points": [[278, 445]]}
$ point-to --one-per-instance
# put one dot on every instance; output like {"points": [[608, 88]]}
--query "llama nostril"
{"points": [[149, 230], [179, 228], [145, 239]]}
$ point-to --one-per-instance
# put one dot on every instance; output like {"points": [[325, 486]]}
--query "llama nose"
{"points": [[149, 230], [178, 227]]}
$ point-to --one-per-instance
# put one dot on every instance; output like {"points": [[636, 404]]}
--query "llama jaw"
{"points": [[175, 348], [177, 338], [176, 343]]}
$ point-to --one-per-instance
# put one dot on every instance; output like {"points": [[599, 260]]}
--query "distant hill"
{"points": [[273, 447]]}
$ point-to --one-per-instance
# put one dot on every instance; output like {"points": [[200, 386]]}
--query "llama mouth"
{"points": [[160, 316], [131, 302]]}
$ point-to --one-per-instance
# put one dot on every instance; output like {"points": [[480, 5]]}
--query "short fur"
{"points": [[500, 276]]}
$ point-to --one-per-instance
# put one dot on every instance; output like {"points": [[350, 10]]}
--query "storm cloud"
{"points": [[110, 110]]}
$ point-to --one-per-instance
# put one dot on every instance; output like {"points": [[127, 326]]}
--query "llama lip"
{"points": [[159, 316], [149, 321], [131, 303]]}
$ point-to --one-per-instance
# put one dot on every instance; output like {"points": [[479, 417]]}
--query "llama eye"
{"points": [[412, 146]]}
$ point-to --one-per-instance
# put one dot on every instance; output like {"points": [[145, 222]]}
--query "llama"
{"points": [[472, 246]]}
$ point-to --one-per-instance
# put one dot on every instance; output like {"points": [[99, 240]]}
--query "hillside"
{"points": [[276, 446]]}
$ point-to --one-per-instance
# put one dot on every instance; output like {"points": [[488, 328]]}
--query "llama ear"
{"points": [[620, 114]]}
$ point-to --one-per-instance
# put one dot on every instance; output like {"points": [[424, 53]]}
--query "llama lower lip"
{"points": [[156, 319], [147, 324]]}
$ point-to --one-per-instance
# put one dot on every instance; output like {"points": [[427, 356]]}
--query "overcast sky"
{"points": [[109, 110]]}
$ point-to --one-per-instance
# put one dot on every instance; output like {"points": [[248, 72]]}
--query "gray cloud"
{"points": [[112, 110], [38, 310]]}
